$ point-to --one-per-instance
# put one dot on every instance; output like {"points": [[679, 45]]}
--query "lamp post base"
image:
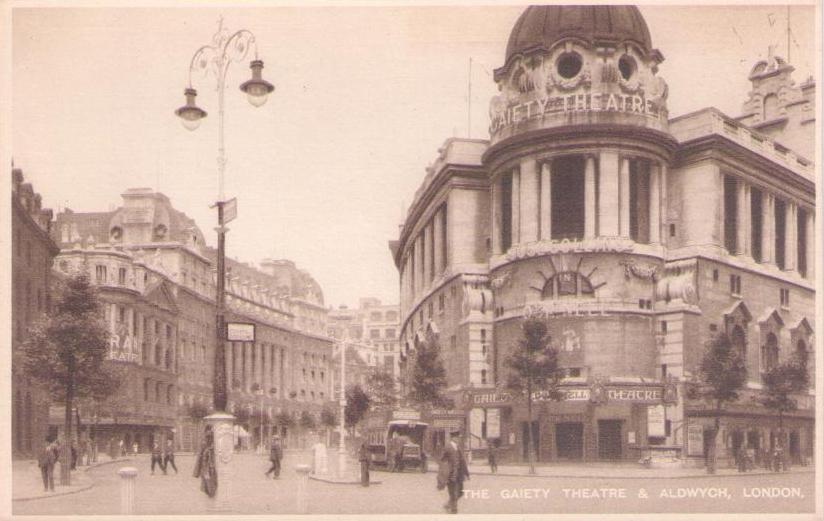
{"points": [[222, 427]]}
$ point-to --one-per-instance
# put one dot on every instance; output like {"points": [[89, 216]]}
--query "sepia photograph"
{"points": [[370, 259]]}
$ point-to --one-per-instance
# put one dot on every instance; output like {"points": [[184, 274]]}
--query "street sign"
{"points": [[229, 210], [240, 332]]}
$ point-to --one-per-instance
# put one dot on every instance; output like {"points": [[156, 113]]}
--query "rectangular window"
{"points": [[443, 238], [567, 198], [374, 333], [663, 326], [663, 371], [389, 333], [441, 301], [756, 223], [801, 236], [784, 297], [780, 229], [730, 214], [506, 212], [100, 274], [121, 276], [639, 195], [453, 342], [735, 284]]}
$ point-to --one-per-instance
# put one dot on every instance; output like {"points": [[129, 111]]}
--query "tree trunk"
{"points": [[712, 456], [66, 454], [530, 444]]}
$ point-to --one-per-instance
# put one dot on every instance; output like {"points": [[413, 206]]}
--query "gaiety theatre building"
{"points": [[635, 235]]}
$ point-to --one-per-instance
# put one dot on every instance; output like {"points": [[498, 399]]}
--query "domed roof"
{"points": [[540, 27]]}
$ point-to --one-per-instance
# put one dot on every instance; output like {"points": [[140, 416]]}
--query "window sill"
{"points": [[736, 295]]}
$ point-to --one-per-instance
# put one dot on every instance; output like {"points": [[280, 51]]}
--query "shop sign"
{"points": [[557, 246], [641, 394], [583, 102], [123, 348], [240, 332], [491, 398], [656, 421], [695, 440], [574, 308], [406, 414], [447, 412], [447, 423]]}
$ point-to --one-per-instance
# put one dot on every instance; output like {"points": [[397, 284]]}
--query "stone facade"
{"points": [[634, 235], [32, 254]]}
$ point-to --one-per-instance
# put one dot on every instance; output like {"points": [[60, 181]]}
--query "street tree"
{"points": [[66, 350], [534, 367], [781, 385], [381, 387], [329, 420], [307, 421], [722, 373], [357, 403], [428, 381]]}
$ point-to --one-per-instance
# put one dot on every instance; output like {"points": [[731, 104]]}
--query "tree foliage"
{"points": [[284, 419], [534, 367], [784, 381], [357, 403], [428, 381], [197, 411], [307, 421], [66, 351], [328, 418], [242, 415], [722, 373], [381, 388], [535, 362]]}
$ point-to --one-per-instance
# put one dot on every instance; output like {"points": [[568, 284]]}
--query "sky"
{"points": [[364, 98]]}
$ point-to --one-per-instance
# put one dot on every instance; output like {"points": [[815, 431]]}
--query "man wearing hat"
{"points": [[275, 455], [454, 470]]}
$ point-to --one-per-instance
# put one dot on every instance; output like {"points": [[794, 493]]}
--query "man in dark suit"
{"points": [[45, 460], [275, 455], [456, 470], [157, 457], [169, 456]]}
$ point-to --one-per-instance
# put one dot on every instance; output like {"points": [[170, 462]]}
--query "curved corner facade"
{"points": [[635, 236]]}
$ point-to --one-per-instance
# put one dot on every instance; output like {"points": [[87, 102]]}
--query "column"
{"points": [[516, 207], [546, 201], [768, 228], [247, 366], [496, 217], [437, 233], [589, 198], [742, 217], [664, 231], [623, 208], [529, 200], [655, 204], [419, 263], [230, 366], [425, 242], [259, 363], [267, 367], [608, 195], [790, 237], [810, 250]]}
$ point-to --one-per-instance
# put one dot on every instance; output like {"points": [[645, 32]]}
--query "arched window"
{"points": [[739, 340], [567, 284], [769, 353], [483, 376], [801, 351]]}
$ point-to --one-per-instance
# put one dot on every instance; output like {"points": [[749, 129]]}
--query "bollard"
{"points": [[128, 476], [303, 481]]}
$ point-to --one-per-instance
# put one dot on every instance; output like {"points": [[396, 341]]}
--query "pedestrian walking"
{"points": [[157, 457], [205, 468], [453, 471], [492, 455], [45, 460], [275, 455], [169, 456], [120, 447], [134, 448], [363, 457], [73, 456]]}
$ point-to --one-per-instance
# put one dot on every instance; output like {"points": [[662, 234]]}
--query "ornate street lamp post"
{"points": [[226, 48]]}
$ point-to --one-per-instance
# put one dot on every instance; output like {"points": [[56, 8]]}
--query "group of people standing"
{"points": [[163, 457]]}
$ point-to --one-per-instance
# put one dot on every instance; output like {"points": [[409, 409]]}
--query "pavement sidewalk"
{"points": [[616, 470], [27, 483]]}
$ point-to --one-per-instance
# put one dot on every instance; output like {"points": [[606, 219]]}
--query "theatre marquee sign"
{"points": [[596, 393]]}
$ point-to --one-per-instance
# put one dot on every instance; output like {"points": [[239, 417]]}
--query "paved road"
{"points": [[415, 493]]}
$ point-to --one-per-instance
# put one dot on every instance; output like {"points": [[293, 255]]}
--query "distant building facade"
{"points": [[372, 328], [157, 278], [634, 235], [32, 255]]}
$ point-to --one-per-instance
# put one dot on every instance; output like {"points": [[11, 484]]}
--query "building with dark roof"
{"points": [[635, 236], [32, 254]]}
